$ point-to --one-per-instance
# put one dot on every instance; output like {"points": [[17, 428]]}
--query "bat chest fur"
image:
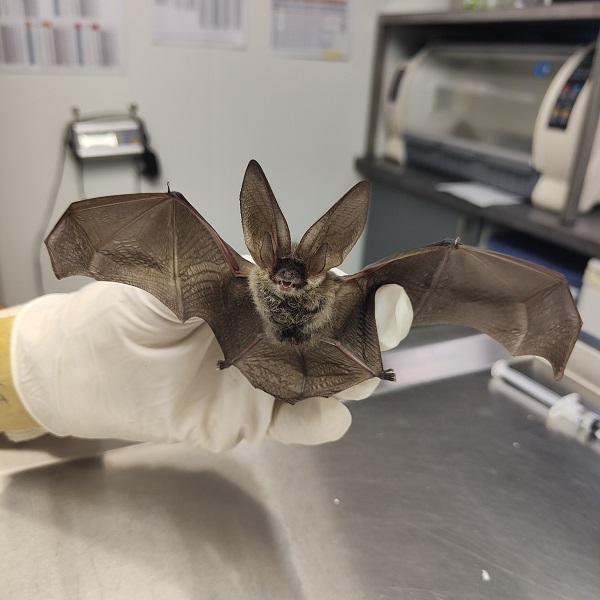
{"points": [[295, 317]]}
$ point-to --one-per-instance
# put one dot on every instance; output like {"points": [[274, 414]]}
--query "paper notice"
{"points": [[479, 194]]}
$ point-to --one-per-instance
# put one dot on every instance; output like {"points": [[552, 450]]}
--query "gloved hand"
{"points": [[111, 361]]}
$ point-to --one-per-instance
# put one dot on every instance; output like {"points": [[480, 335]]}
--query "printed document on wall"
{"points": [[215, 23], [311, 28], [62, 36]]}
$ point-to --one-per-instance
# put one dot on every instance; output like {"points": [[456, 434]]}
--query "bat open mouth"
{"points": [[286, 285]]}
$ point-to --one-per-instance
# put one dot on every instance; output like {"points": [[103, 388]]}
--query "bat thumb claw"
{"points": [[387, 375], [223, 364]]}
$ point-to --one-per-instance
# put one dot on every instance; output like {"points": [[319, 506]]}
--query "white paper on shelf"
{"points": [[479, 194]]}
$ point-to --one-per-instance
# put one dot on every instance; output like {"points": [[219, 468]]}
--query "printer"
{"points": [[509, 115]]}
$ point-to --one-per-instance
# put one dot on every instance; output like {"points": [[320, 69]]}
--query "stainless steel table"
{"points": [[444, 489]]}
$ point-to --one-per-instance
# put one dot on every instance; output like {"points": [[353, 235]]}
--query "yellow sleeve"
{"points": [[13, 416]]}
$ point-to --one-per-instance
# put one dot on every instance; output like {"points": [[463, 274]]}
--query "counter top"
{"points": [[442, 489]]}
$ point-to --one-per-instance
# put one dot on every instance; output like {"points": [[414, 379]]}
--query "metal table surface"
{"points": [[441, 490]]}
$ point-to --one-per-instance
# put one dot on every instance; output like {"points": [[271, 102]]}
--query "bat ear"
{"points": [[266, 231], [328, 241]]}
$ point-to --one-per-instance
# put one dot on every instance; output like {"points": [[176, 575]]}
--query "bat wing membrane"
{"points": [[526, 307], [161, 244], [292, 373]]}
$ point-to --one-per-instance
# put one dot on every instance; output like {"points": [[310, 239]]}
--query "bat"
{"points": [[287, 322]]}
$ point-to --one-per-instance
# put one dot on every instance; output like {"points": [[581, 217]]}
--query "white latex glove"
{"points": [[111, 361]]}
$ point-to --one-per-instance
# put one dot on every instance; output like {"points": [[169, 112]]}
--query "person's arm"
{"points": [[111, 361], [14, 417]]}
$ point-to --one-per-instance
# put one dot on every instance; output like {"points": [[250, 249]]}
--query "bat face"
{"points": [[291, 286], [289, 276], [294, 308], [292, 327]]}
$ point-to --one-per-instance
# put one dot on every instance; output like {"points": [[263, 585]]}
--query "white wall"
{"points": [[208, 112]]}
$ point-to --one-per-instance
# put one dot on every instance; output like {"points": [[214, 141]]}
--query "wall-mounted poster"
{"points": [[216, 23], [311, 28], [62, 36]]}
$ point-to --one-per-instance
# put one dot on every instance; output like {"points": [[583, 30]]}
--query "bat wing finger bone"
{"points": [[228, 362], [387, 374]]}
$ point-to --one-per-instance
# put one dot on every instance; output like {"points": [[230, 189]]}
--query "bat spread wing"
{"points": [[160, 243], [526, 307]]}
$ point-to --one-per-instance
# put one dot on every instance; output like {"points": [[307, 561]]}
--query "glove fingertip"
{"points": [[310, 422], [393, 315], [360, 391]]}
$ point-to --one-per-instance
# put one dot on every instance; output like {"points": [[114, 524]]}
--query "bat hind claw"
{"points": [[387, 375], [224, 364]]}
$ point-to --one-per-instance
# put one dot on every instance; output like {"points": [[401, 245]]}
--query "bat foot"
{"points": [[387, 375], [224, 364]]}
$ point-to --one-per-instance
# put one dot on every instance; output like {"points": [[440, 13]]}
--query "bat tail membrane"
{"points": [[292, 373]]}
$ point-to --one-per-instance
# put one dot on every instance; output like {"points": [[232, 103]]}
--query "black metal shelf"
{"points": [[582, 237], [572, 11]]}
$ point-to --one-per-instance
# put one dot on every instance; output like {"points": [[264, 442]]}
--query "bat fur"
{"points": [[296, 312]]}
